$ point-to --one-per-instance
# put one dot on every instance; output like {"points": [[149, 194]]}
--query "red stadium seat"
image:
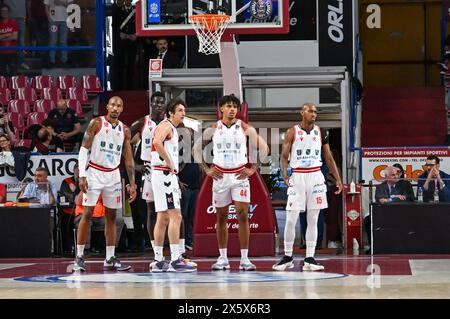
{"points": [[16, 135], [36, 118], [5, 95], [91, 83], [64, 82], [43, 106], [19, 106], [42, 81], [27, 94], [18, 81], [17, 120], [79, 94], [3, 82], [76, 106], [53, 94]]}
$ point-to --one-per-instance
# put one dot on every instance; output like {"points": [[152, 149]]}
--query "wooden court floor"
{"points": [[394, 277]]}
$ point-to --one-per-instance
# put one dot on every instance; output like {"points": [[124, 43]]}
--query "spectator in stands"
{"points": [[19, 13], [97, 221], [403, 182], [38, 25], [41, 189], [391, 190], [47, 140], [57, 16], [69, 189], [170, 59], [67, 125], [6, 127], [8, 38], [6, 156], [124, 31], [433, 178]]}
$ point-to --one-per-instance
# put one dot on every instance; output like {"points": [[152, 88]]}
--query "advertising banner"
{"points": [[375, 160], [59, 166]]}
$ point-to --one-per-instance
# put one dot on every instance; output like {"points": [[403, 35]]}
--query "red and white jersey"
{"points": [[148, 131], [171, 147], [229, 145], [306, 149], [107, 145]]}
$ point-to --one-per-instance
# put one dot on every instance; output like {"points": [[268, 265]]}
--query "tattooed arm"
{"points": [[93, 128]]}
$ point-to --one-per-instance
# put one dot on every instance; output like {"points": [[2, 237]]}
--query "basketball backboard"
{"points": [[171, 17]]}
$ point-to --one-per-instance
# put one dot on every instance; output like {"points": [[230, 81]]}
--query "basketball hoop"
{"points": [[209, 29]]}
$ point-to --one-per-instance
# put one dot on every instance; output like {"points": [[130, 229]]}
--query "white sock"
{"points": [[174, 252], [289, 231], [312, 215], [110, 251], [80, 250], [244, 254], [153, 244], [182, 248], [223, 253], [158, 253]]}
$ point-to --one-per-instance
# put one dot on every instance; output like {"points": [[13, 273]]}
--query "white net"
{"points": [[209, 29]]}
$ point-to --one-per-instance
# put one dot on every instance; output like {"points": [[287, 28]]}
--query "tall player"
{"points": [[304, 144], [164, 162], [144, 130], [230, 175], [104, 143]]}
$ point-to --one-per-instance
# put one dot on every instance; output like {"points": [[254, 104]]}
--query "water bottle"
{"points": [[436, 195], [352, 187], [355, 247], [420, 194]]}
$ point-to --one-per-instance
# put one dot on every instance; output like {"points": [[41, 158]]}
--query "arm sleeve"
{"points": [[82, 160]]}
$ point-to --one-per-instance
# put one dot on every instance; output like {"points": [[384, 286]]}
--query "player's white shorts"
{"points": [[147, 189], [308, 191], [166, 191], [229, 189], [107, 184]]}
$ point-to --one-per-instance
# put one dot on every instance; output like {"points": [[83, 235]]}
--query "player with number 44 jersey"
{"points": [[231, 175]]}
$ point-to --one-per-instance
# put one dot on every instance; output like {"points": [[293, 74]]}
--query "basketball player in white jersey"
{"points": [[104, 143], [167, 195], [302, 146], [230, 175], [143, 131]]}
